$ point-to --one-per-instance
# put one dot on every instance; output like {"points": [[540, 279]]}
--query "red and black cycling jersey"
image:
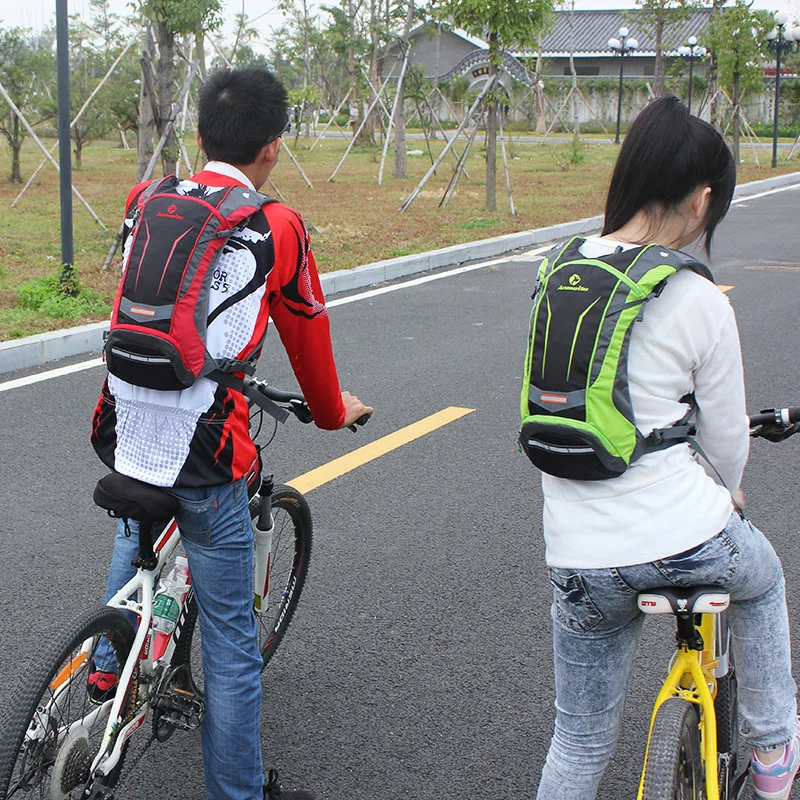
{"points": [[200, 436]]}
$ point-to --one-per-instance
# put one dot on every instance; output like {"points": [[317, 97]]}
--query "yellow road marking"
{"points": [[369, 452], [724, 288]]}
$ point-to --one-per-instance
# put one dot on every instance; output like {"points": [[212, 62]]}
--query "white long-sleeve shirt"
{"points": [[665, 502]]}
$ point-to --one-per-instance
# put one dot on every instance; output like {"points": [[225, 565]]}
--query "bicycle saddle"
{"points": [[691, 600], [128, 498]]}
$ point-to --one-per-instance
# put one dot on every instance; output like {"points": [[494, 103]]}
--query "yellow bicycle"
{"points": [[693, 745]]}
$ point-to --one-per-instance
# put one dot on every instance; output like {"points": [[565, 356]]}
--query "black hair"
{"points": [[240, 111], [668, 154]]}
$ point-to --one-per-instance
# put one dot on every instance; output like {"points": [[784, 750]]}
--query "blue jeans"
{"points": [[217, 535], [596, 625]]}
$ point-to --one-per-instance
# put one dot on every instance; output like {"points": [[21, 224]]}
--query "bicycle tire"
{"points": [[28, 766], [726, 708], [674, 769], [291, 551]]}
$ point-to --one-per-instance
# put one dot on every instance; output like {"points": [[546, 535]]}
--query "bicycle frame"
{"points": [[693, 677], [142, 654], [142, 585]]}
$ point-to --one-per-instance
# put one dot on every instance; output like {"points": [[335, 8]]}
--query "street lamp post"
{"points": [[622, 46], [692, 52], [780, 38]]}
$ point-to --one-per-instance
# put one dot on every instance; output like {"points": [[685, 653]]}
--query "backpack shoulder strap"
{"points": [[653, 255]]}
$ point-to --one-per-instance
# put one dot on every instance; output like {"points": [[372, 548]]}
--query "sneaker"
{"points": [[774, 782], [273, 790], [100, 686]]}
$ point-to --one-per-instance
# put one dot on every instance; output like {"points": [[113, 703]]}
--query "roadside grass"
{"points": [[352, 220]]}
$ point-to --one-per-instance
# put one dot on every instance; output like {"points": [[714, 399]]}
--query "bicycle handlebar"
{"points": [[775, 424], [291, 401]]}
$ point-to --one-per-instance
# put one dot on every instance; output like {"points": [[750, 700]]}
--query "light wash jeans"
{"points": [[217, 535], [596, 625]]}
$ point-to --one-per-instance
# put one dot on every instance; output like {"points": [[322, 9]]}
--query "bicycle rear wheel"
{"points": [[674, 769], [291, 551], [49, 738]]}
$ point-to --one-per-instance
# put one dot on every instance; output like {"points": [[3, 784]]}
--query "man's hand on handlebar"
{"points": [[355, 412]]}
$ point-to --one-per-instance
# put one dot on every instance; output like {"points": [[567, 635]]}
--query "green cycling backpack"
{"points": [[577, 419]]}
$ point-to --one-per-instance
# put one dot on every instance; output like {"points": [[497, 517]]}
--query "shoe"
{"points": [[774, 782], [100, 686], [273, 790]]}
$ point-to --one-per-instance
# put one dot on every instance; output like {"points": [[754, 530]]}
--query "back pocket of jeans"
{"points": [[572, 603]]}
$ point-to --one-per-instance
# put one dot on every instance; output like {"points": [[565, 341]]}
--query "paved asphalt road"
{"points": [[418, 666]]}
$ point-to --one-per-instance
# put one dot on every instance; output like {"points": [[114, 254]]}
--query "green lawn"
{"points": [[353, 220]]}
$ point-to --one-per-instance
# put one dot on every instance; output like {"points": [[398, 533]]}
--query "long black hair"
{"points": [[668, 154], [239, 111]]}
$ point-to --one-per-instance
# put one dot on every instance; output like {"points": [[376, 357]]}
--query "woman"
{"points": [[666, 520]]}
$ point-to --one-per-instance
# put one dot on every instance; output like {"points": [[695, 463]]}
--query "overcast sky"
{"points": [[38, 13]]}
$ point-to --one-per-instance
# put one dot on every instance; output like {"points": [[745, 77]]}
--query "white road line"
{"points": [[56, 373], [53, 373], [428, 278], [764, 194], [96, 362]]}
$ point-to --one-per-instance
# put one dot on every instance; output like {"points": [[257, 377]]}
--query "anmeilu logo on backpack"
{"points": [[157, 337], [577, 419]]}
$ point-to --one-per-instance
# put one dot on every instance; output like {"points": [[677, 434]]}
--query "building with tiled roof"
{"points": [[589, 35], [445, 52]]}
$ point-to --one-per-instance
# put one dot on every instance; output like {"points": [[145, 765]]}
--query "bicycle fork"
{"points": [[264, 529]]}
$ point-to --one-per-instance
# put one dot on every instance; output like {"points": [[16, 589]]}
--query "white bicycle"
{"points": [[56, 742]]}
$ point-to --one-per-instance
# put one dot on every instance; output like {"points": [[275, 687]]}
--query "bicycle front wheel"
{"points": [[674, 769], [50, 736], [289, 557]]}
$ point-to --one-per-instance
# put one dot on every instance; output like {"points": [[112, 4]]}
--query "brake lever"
{"points": [[776, 432], [301, 411]]}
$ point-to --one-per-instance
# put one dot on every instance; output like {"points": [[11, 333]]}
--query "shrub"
{"points": [[46, 296]]}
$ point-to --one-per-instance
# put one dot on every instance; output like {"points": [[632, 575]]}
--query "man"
{"points": [[197, 441]]}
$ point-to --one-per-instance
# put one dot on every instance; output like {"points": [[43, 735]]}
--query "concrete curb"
{"points": [[35, 350]]}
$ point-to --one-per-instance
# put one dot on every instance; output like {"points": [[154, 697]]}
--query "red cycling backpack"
{"points": [[157, 337]]}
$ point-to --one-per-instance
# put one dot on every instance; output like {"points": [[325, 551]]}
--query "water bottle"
{"points": [[167, 602]]}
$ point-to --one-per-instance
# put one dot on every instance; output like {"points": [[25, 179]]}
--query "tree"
{"points": [[94, 48], [109, 35], [27, 71], [736, 38], [658, 15], [399, 121], [172, 19], [508, 22]]}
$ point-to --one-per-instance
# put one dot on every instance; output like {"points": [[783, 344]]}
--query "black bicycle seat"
{"points": [[128, 498], [678, 600]]}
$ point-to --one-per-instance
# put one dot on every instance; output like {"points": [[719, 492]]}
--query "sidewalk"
{"points": [[33, 351]]}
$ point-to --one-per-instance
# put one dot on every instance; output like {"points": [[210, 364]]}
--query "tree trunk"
{"points": [[16, 175], [200, 54], [491, 131], [78, 150], [355, 111], [712, 74], [658, 78], [399, 168], [368, 135], [165, 80], [146, 119], [736, 118], [541, 123], [576, 126]]}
